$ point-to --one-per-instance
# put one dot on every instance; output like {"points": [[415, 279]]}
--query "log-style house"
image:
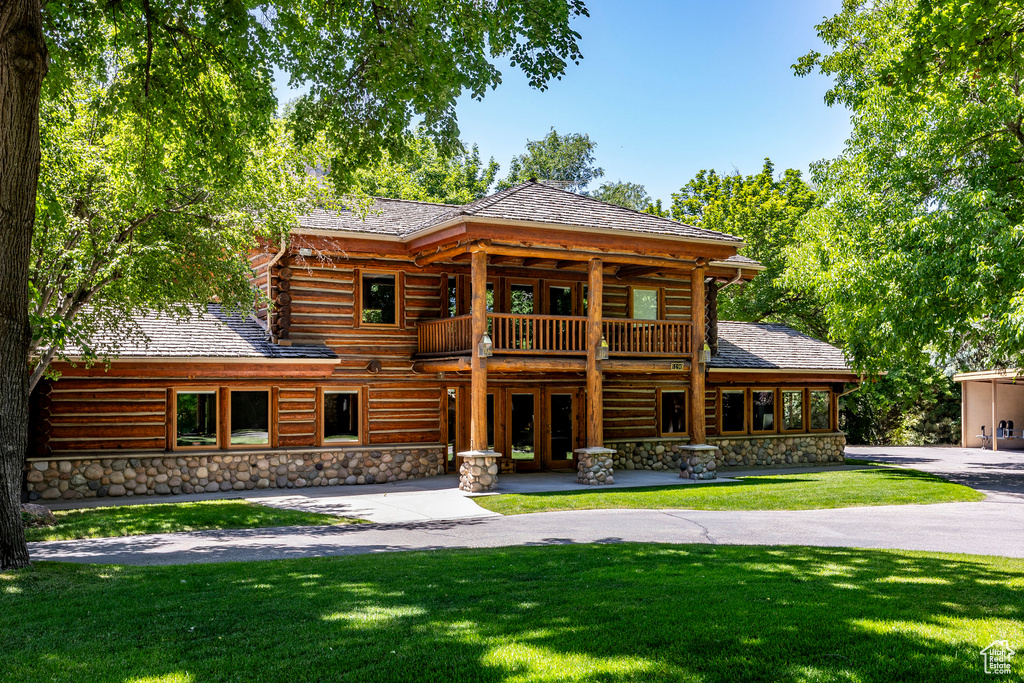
{"points": [[533, 329]]}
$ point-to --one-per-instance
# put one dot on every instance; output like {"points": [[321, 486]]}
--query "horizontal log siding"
{"points": [[297, 418], [106, 418], [629, 409], [404, 415]]}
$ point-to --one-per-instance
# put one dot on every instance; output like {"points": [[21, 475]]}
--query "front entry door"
{"points": [[560, 433]]}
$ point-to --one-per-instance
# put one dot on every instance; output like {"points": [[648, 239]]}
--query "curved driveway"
{"points": [[992, 527]]}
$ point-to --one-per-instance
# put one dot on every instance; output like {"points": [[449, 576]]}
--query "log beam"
{"points": [[595, 407], [698, 433], [636, 271], [478, 365]]}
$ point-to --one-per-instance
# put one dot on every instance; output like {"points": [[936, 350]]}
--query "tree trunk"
{"points": [[23, 64]]}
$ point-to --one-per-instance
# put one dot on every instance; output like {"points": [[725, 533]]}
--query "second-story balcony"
{"points": [[531, 334]]}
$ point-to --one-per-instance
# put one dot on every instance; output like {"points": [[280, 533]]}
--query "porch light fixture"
{"points": [[602, 349], [486, 347], [705, 354]]}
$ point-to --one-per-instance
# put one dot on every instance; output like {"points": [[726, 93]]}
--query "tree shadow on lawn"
{"points": [[609, 613]]}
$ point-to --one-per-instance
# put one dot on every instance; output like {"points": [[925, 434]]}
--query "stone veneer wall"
{"points": [[740, 451], [781, 449], [172, 473]]}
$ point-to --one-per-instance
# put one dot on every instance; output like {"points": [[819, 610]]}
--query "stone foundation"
{"points": [[699, 462], [175, 473], [647, 454], [479, 471], [595, 466], [781, 449]]}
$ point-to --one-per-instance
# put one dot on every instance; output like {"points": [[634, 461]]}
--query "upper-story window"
{"points": [[379, 298], [644, 303]]}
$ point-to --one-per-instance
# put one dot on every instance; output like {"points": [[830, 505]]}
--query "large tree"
{"points": [[916, 248], [764, 210], [630, 195], [200, 74], [567, 160]]}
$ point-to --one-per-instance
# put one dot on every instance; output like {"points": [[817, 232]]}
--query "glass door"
{"points": [[522, 428], [561, 431]]}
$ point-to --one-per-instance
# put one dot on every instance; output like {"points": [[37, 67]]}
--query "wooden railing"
{"points": [[629, 337], [447, 336], [555, 335], [538, 334]]}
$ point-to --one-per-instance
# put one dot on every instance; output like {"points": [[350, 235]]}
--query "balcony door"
{"points": [[522, 428]]}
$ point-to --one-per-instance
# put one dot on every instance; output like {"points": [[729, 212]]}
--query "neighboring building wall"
{"points": [[977, 410], [167, 474]]}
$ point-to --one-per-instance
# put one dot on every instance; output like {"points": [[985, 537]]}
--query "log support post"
{"points": [[594, 463], [698, 435], [479, 469]]}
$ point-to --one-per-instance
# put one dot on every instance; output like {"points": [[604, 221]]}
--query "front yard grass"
{"points": [[162, 518], [609, 613], [803, 491]]}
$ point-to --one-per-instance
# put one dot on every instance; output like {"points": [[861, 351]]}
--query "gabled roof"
{"points": [[208, 333], [529, 202], [769, 346]]}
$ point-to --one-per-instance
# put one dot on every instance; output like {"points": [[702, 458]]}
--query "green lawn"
{"points": [[609, 613], [805, 491], [131, 520]]}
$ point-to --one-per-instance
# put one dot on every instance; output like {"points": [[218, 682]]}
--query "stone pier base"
{"points": [[594, 466], [479, 471], [698, 462]]}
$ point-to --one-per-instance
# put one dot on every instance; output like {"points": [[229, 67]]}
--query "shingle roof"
{"points": [[766, 346], [529, 202], [394, 217], [210, 333]]}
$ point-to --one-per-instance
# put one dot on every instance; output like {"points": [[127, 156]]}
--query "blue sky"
{"points": [[667, 88]]}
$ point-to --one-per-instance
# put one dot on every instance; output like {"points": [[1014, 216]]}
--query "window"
{"points": [[560, 300], [521, 299], [734, 411], [644, 304], [452, 416], [196, 420], [341, 417], [250, 418], [821, 409], [673, 412], [792, 410], [379, 299], [453, 296], [762, 410]]}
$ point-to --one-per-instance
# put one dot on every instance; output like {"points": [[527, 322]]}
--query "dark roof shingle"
{"points": [[767, 346], [209, 333], [531, 202]]}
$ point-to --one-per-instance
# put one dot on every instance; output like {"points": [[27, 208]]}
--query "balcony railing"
{"points": [[513, 333]]}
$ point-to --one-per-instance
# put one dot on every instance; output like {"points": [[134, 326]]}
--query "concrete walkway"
{"points": [[416, 500]]}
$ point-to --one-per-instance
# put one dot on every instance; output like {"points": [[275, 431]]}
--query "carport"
{"points": [[991, 398]]}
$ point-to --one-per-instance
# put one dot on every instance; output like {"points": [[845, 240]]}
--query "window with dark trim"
{"points": [[734, 411], [379, 292], [196, 419], [341, 417], [820, 405], [792, 410], [673, 412], [762, 410], [250, 417]]}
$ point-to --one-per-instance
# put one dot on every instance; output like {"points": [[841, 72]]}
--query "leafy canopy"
{"points": [[763, 210], [630, 195], [566, 159], [916, 246]]}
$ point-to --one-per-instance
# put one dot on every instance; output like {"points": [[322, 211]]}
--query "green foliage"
{"points": [[423, 173], [166, 518], [565, 159], [630, 195], [915, 247], [764, 211], [817, 491]]}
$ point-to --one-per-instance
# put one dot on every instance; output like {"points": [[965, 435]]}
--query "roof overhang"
{"points": [[1009, 375]]}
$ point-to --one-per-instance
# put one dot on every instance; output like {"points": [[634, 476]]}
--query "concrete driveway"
{"points": [[1000, 474]]}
